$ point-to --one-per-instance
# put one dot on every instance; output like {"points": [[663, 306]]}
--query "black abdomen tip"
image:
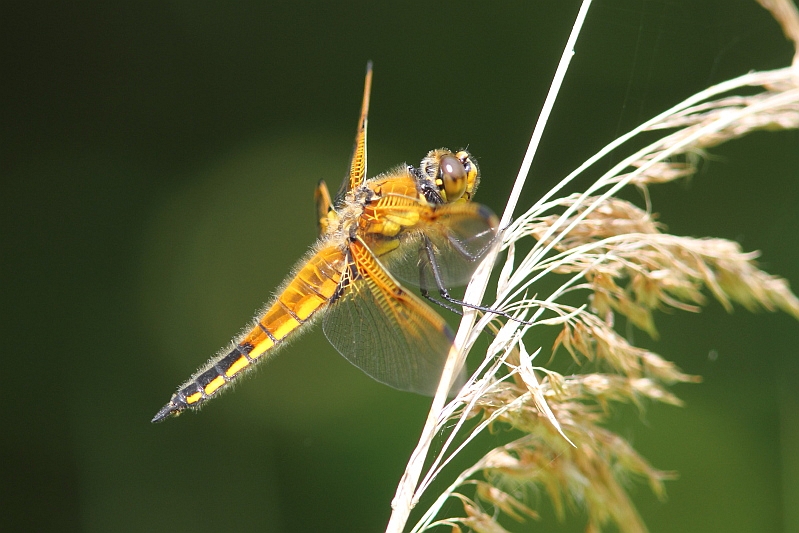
{"points": [[171, 409]]}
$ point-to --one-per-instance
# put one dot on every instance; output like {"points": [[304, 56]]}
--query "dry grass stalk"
{"points": [[618, 257]]}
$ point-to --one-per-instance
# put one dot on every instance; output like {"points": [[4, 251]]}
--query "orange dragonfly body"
{"points": [[412, 224]]}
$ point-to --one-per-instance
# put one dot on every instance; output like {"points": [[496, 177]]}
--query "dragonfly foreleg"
{"points": [[429, 259]]}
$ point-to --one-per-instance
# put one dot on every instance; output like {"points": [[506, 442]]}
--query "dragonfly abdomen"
{"points": [[307, 291]]}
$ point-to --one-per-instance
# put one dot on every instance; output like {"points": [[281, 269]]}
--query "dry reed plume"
{"points": [[615, 260]]}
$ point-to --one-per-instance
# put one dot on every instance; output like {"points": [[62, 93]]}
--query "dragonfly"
{"points": [[409, 225]]}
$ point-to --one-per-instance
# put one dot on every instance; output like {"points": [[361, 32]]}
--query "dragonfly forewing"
{"points": [[456, 236]]}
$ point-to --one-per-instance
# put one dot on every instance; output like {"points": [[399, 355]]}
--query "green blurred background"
{"points": [[158, 161]]}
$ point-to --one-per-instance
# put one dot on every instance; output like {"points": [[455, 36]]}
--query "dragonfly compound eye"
{"points": [[451, 178]]}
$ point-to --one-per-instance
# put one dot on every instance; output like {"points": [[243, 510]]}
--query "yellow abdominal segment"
{"points": [[308, 291]]}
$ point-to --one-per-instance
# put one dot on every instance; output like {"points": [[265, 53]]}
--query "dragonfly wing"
{"points": [[386, 331], [324, 207], [455, 236], [357, 172]]}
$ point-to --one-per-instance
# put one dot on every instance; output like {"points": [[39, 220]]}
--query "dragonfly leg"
{"points": [[430, 259], [426, 294], [424, 283]]}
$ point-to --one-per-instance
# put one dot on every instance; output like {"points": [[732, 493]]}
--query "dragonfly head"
{"points": [[455, 174]]}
